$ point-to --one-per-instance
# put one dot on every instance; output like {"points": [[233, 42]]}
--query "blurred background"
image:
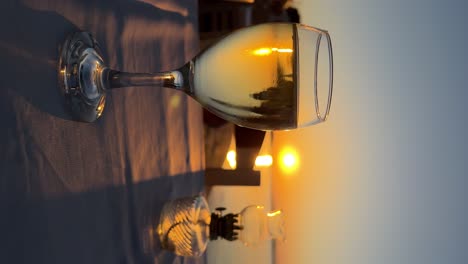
{"points": [[384, 179]]}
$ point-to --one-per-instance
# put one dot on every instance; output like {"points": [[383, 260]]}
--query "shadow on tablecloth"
{"points": [[74, 192], [106, 225]]}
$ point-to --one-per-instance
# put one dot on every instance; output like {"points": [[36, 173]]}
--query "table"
{"points": [[73, 192]]}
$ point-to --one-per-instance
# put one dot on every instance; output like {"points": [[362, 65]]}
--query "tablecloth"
{"points": [[73, 192]]}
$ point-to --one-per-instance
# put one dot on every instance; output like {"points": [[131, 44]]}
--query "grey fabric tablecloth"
{"points": [[73, 192]]}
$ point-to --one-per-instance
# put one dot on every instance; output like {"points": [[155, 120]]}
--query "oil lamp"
{"points": [[187, 225]]}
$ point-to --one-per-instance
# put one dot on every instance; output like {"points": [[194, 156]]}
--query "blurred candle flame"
{"points": [[263, 161], [260, 161], [231, 158]]}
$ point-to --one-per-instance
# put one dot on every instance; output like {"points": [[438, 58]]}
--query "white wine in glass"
{"points": [[273, 76]]}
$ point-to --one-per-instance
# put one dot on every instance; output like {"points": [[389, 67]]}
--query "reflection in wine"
{"points": [[255, 68]]}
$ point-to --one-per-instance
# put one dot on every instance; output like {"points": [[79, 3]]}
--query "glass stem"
{"points": [[179, 79]]}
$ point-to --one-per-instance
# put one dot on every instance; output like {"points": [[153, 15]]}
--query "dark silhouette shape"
{"points": [[277, 107], [293, 15]]}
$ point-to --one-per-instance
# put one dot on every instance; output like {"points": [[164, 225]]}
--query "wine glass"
{"points": [[273, 76]]}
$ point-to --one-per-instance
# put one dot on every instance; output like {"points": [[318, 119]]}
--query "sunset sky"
{"points": [[383, 180]]}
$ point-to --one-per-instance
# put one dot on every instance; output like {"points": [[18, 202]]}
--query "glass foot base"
{"points": [[82, 76]]}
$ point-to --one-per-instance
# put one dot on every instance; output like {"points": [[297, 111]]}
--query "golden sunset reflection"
{"points": [[268, 51], [262, 52]]}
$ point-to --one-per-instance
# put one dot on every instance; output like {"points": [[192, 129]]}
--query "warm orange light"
{"points": [[262, 52], [268, 51], [274, 213], [264, 161], [174, 102], [289, 160], [282, 50], [231, 158]]}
